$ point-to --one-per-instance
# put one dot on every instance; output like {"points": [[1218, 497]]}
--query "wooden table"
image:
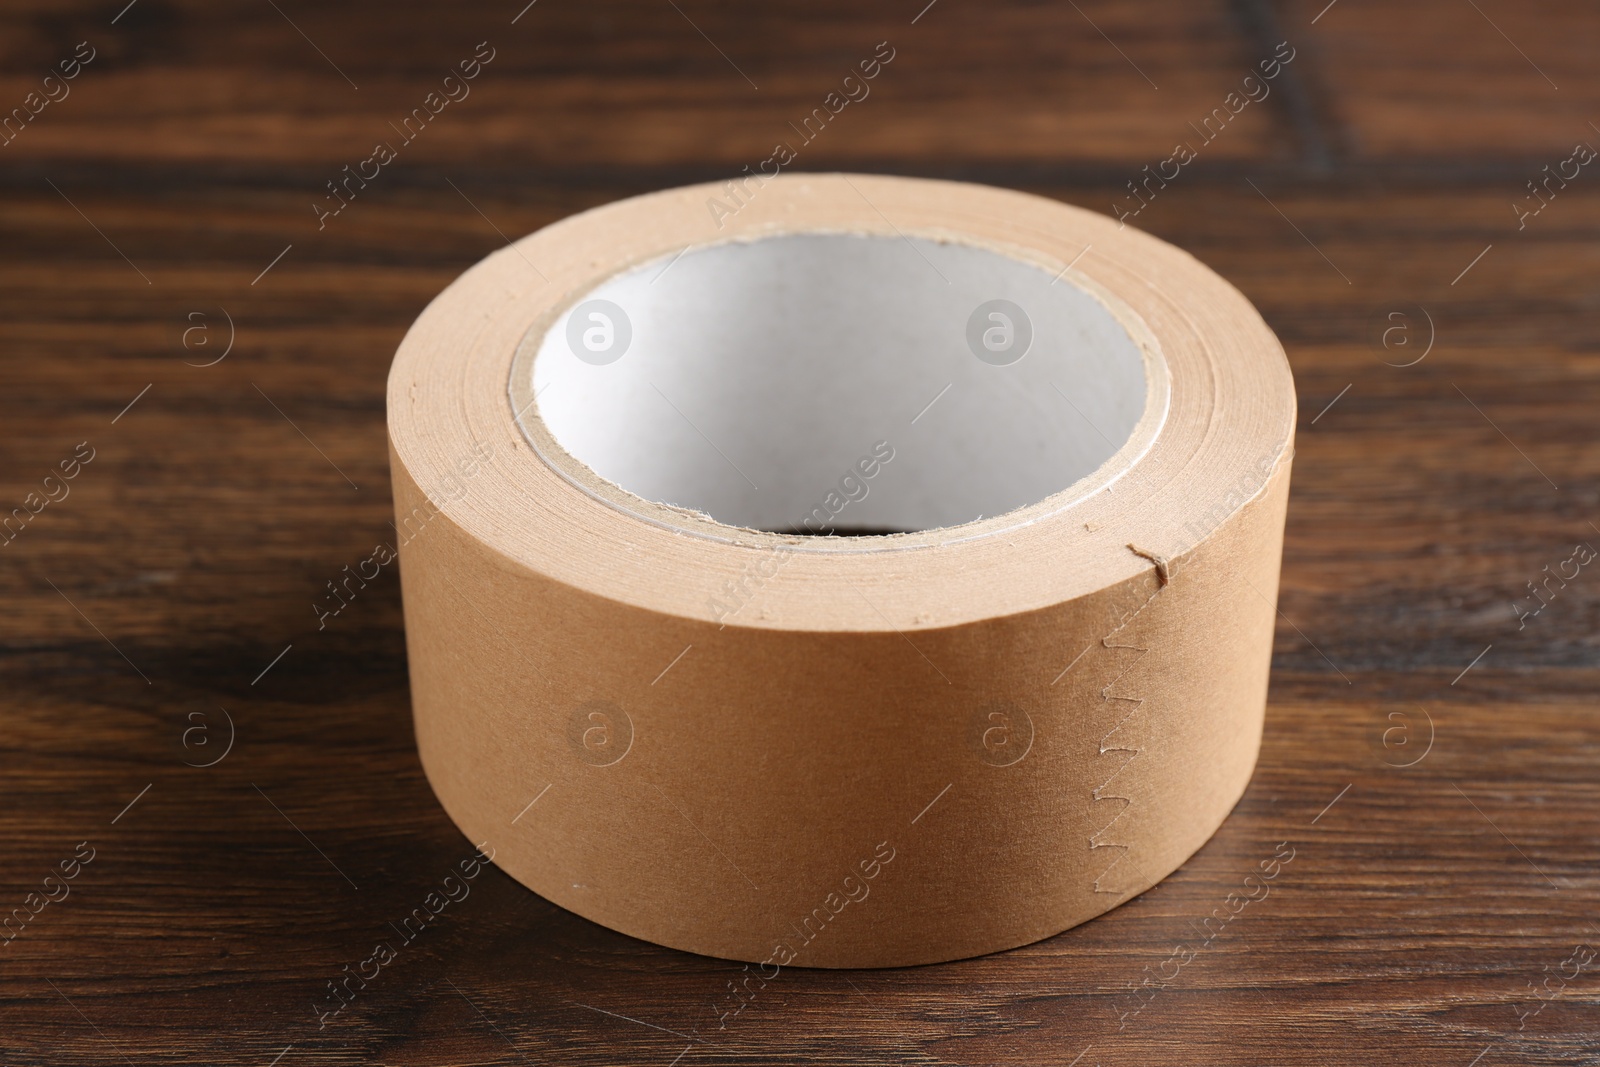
{"points": [[1430, 757]]}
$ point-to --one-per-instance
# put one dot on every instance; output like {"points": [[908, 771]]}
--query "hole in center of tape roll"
{"points": [[836, 384]]}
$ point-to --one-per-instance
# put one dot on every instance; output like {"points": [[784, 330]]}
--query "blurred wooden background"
{"points": [[1434, 914]]}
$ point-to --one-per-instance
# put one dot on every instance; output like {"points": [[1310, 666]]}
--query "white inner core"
{"points": [[830, 383]]}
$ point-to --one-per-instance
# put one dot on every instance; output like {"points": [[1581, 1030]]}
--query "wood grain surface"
{"points": [[1432, 751]]}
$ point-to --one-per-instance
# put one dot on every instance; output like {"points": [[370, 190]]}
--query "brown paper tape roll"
{"points": [[650, 671]]}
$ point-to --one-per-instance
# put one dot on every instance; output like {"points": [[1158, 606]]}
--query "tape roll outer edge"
{"points": [[811, 785]]}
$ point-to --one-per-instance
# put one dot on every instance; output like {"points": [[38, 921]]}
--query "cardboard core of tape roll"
{"points": [[654, 673], [795, 352]]}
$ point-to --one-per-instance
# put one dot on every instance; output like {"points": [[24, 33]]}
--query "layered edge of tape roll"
{"points": [[834, 751]]}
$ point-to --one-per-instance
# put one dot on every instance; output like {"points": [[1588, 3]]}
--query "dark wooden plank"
{"points": [[1459, 81], [1418, 908], [635, 82]]}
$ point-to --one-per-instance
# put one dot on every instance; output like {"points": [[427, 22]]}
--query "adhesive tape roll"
{"points": [[653, 670]]}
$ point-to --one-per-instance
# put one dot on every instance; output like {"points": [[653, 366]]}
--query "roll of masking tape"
{"points": [[836, 570]]}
